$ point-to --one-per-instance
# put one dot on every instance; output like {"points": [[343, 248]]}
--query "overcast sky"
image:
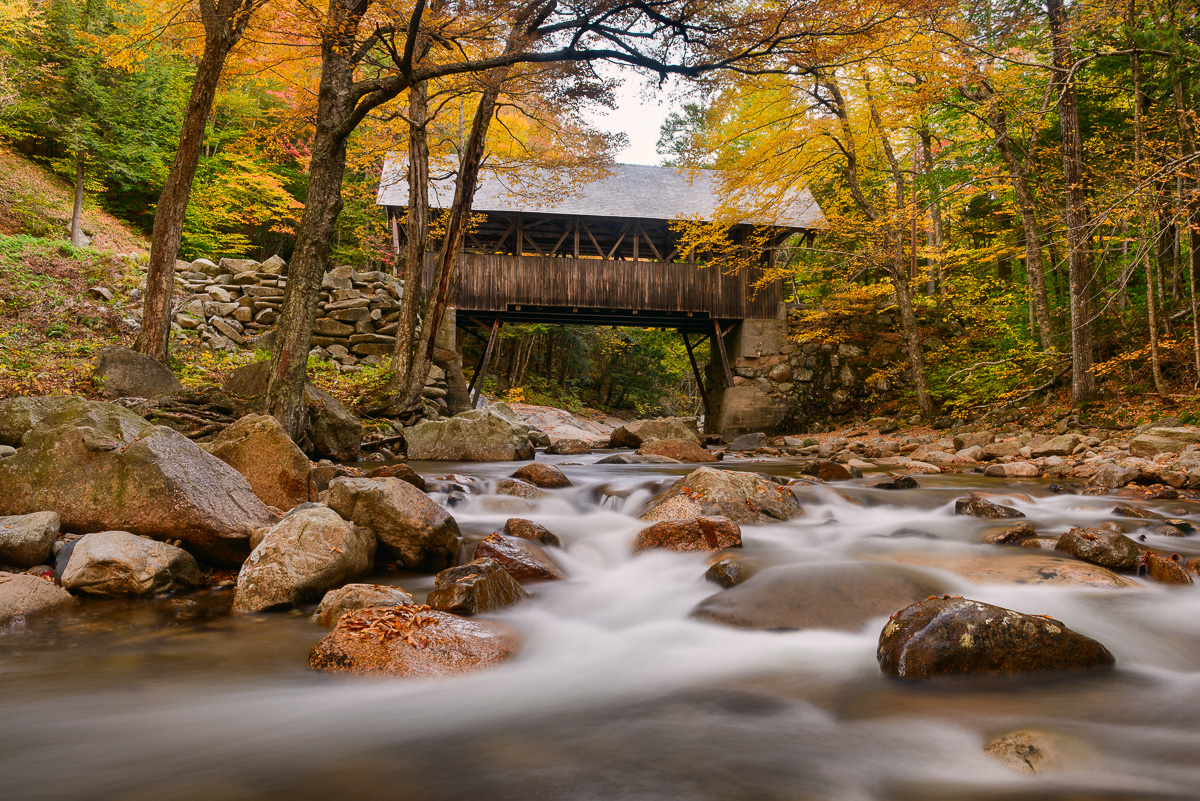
{"points": [[639, 114]]}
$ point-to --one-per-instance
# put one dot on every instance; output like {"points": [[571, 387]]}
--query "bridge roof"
{"points": [[629, 190]]}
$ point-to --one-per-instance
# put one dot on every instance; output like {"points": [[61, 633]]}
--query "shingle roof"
{"points": [[630, 190]]}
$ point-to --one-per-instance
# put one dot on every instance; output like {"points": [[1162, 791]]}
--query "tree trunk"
{"points": [[1148, 256], [1083, 380], [77, 209], [934, 236], [1187, 150], [224, 23]]}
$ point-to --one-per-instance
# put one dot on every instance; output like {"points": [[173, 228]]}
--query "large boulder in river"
{"points": [[953, 636], [332, 430], [257, 447], [26, 596], [353, 597], [842, 595], [695, 534], [524, 560], [744, 498], [123, 373], [103, 468], [26, 540], [681, 450], [475, 588], [634, 434], [1102, 547], [309, 551], [120, 563], [974, 505], [411, 641], [410, 527], [542, 475], [479, 435]]}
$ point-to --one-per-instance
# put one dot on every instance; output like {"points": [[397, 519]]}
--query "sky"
{"points": [[640, 113]]}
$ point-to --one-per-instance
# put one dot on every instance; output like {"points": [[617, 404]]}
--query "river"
{"points": [[617, 693]]}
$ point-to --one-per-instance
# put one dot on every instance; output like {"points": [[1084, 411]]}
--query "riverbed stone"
{"points": [[542, 475], [726, 572], [634, 458], [26, 540], [478, 435], [103, 468], [842, 595], [410, 526], [529, 530], [400, 471], [352, 597], [524, 560], [26, 596], [1109, 549], [476, 588], [1016, 566], [681, 450], [1010, 536], [744, 498], [748, 442], [257, 447], [123, 373], [693, 534], [1111, 476], [311, 550], [121, 563], [638, 432], [1147, 446], [973, 505], [1012, 470], [957, 636], [1165, 570], [569, 447], [412, 641], [519, 489]]}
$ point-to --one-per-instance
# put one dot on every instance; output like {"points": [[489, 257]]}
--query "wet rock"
{"points": [[744, 498], [956, 636], [257, 447], [542, 475], [123, 373], [479, 435], [840, 596], [413, 641], [1012, 470], [475, 588], [101, 467], [569, 447], [528, 530], [681, 450], [1017, 566], [897, 483], [410, 527], [120, 563], [1010, 536], [696, 534], [525, 561], [1125, 510], [26, 596], [26, 540], [308, 552], [1040, 543], [726, 573], [1027, 750], [400, 471], [975, 506], [633, 458], [1163, 569], [353, 597], [635, 434], [748, 442], [519, 489], [832, 471], [1105, 548]]}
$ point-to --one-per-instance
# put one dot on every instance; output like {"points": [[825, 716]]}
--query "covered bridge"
{"points": [[603, 253]]}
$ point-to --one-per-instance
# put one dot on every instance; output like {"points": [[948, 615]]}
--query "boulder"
{"points": [[633, 458], [120, 563], [1012, 470], [257, 447], [26, 540], [1109, 549], [1056, 446], [353, 597], [1017, 566], [681, 450], [1111, 476], [519, 489], [542, 475], [1010, 536], [744, 498], [569, 447], [525, 561], [332, 431], [973, 439], [635, 434], [696, 534], [410, 527], [841, 596], [528, 530], [997, 450], [475, 588], [308, 552], [123, 373], [413, 641], [101, 467], [1165, 570], [748, 442], [400, 471], [479, 435], [1147, 446], [25, 596], [725, 573], [897, 483], [18, 416], [832, 471], [955, 636], [976, 506], [1137, 513]]}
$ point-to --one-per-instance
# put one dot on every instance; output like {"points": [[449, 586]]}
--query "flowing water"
{"points": [[617, 693]]}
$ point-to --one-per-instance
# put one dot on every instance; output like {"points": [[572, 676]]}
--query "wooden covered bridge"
{"points": [[605, 254]]}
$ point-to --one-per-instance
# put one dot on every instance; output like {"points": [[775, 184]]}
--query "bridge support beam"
{"points": [[745, 397]]}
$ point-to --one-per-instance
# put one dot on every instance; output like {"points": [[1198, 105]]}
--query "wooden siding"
{"points": [[489, 282]]}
